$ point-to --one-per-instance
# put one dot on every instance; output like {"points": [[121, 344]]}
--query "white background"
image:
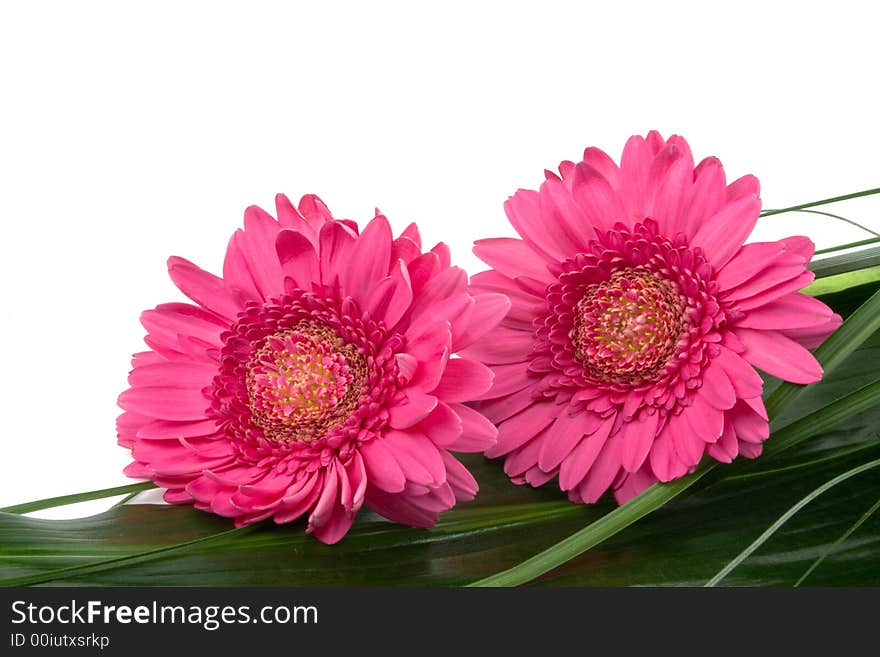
{"points": [[129, 133]]}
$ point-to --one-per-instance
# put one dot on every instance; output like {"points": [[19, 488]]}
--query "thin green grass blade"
{"points": [[827, 417], [128, 498], [605, 527], [826, 201], [97, 566], [745, 554], [843, 537], [75, 498], [858, 327], [659, 494], [843, 219], [851, 245]]}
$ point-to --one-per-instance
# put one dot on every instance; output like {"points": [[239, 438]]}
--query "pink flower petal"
{"points": [[717, 389], [512, 257], [418, 457], [258, 246], [503, 407], [634, 165], [781, 269], [298, 503], [524, 457], [524, 212], [450, 283], [236, 272], [706, 196], [179, 374], [442, 425], [290, 217], [573, 227], [489, 309], [463, 379], [745, 380], [791, 311], [328, 498], [478, 434], [706, 422], [337, 243], [748, 261], [801, 245], [168, 321], [780, 356], [812, 336], [383, 470], [166, 403], [314, 211], [564, 435], [726, 448], [668, 187], [721, 235], [634, 484], [665, 463], [599, 160], [357, 478], [205, 289], [298, 258], [391, 297], [576, 465], [600, 204], [400, 509], [603, 472], [508, 379], [749, 425], [687, 445], [335, 527], [765, 296], [506, 346], [747, 185], [515, 431], [370, 260], [415, 407], [636, 438], [165, 430]]}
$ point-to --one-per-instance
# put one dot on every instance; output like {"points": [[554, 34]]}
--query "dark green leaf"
{"points": [[684, 542]]}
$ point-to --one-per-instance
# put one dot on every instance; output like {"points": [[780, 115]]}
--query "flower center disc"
{"points": [[626, 328], [303, 382]]}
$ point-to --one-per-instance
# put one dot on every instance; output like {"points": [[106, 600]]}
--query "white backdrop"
{"points": [[129, 133]]}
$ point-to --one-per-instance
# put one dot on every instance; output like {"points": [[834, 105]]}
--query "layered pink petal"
{"points": [[721, 235], [205, 289], [463, 379], [780, 356], [516, 430]]}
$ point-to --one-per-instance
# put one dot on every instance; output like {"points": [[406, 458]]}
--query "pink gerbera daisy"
{"points": [[637, 318], [313, 377]]}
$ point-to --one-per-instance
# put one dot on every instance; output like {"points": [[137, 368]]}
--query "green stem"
{"points": [[831, 548], [659, 494], [826, 201], [785, 517], [61, 500], [827, 417], [594, 533]]}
